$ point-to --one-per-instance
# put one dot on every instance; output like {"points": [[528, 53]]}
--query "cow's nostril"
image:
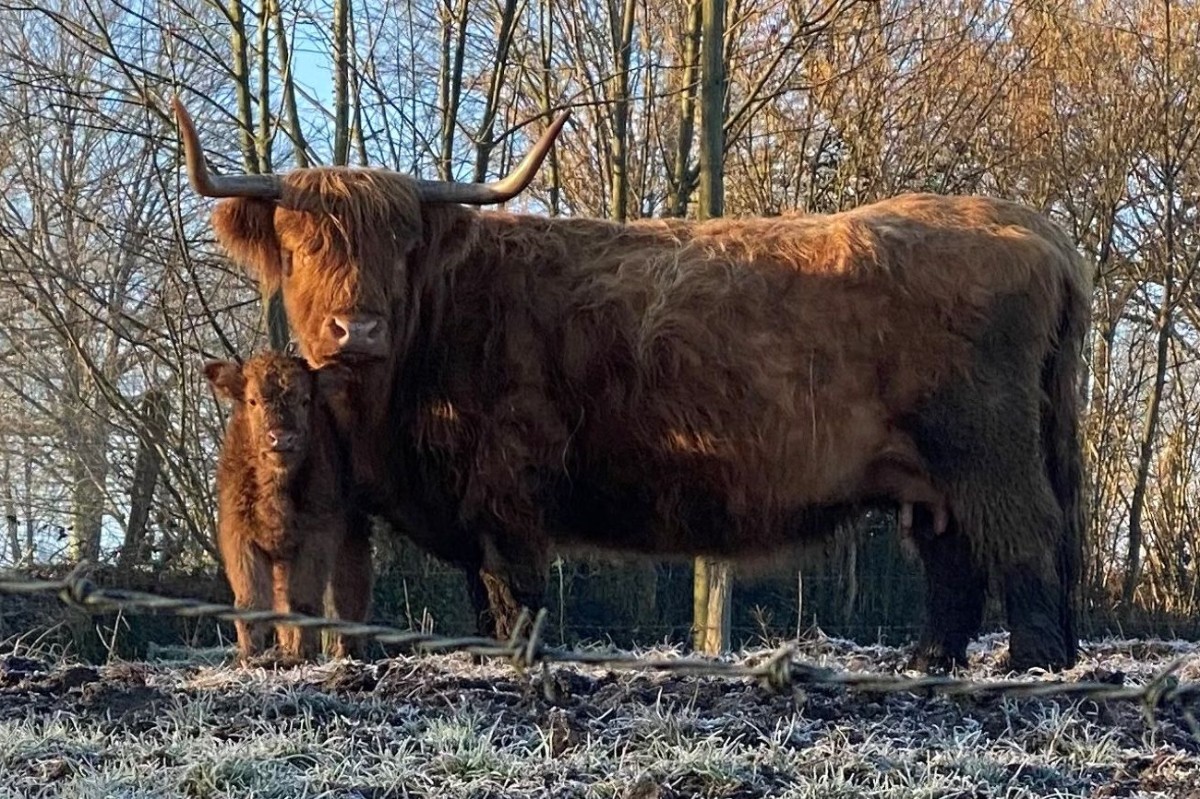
{"points": [[355, 334], [282, 440]]}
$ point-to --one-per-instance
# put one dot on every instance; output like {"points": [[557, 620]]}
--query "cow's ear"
{"points": [[449, 235], [226, 379], [246, 229]]}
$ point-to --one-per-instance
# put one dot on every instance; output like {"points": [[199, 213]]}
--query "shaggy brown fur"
{"points": [[286, 530], [727, 387]]}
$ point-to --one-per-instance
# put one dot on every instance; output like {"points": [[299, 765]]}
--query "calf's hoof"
{"points": [[274, 658]]}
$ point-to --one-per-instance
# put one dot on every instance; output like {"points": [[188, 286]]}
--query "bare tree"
{"points": [[713, 582]]}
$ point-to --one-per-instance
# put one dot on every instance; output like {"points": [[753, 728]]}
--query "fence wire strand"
{"points": [[781, 671]]}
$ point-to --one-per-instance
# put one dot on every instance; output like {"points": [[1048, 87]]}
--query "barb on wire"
{"points": [[780, 672]]}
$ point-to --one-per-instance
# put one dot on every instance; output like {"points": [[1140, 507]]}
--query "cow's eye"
{"points": [[253, 403], [285, 258]]}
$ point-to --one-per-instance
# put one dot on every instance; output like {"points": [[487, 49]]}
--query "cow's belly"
{"points": [[685, 491], [674, 518], [813, 457]]}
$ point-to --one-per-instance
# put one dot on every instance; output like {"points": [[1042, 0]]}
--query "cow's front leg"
{"points": [[516, 462], [515, 561]]}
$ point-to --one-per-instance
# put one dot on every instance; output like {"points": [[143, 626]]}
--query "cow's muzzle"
{"points": [[361, 335], [283, 440]]}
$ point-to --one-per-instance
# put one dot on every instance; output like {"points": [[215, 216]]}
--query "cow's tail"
{"points": [[1062, 375]]}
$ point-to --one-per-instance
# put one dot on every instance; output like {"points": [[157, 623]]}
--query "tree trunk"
{"points": [[27, 505], [89, 469], [10, 516], [254, 146], [712, 111], [1137, 502], [451, 82], [152, 424], [341, 90], [358, 131], [241, 81], [484, 142], [712, 584], [87, 430], [682, 175], [277, 324], [546, 50], [289, 87], [622, 40], [264, 86]]}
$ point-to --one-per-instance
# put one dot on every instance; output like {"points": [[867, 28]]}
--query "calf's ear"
{"points": [[226, 379], [246, 229]]}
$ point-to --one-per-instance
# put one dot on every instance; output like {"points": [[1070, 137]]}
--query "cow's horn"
{"points": [[436, 191], [208, 185]]}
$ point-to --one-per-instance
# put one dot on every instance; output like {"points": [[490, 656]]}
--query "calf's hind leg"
{"points": [[300, 588], [249, 574]]}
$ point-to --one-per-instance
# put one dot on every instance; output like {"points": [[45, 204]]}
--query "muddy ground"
{"points": [[427, 726]]}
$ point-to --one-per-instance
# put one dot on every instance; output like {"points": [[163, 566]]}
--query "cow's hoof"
{"points": [[1023, 662], [1037, 649], [932, 659]]}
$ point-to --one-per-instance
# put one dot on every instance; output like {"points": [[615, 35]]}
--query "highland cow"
{"points": [[286, 531], [677, 388]]}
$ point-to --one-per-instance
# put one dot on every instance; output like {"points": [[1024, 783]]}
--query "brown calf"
{"points": [[286, 532]]}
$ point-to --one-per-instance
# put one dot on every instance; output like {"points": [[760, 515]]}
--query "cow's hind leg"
{"points": [[1021, 529], [1033, 608], [982, 442], [1012, 523], [955, 589]]}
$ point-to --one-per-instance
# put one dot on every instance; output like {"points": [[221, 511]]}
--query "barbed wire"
{"points": [[780, 671]]}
